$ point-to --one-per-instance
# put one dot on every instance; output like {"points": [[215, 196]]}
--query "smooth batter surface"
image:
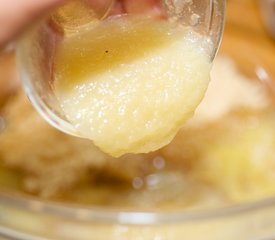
{"points": [[130, 83]]}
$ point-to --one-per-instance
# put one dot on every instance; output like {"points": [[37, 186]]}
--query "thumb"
{"points": [[15, 15]]}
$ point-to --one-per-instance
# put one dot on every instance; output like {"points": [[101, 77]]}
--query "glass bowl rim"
{"points": [[99, 214]]}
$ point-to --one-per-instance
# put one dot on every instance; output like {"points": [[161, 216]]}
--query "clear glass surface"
{"points": [[38, 47]]}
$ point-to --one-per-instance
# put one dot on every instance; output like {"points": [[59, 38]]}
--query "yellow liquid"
{"points": [[129, 84]]}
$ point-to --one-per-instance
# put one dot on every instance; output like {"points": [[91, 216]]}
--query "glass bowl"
{"points": [[23, 216]]}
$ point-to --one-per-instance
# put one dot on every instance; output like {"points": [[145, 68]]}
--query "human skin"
{"points": [[16, 15]]}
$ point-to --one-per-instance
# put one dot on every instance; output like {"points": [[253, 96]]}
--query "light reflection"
{"points": [[265, 78], [159, 162], [137, 183], [153, 180], [262, 74]]}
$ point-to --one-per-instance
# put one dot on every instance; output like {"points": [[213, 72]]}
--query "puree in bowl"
{"points": [[223, 155]]}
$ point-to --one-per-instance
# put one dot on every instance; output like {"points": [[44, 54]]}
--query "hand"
{"points": [[15, 15], [152, 7]]}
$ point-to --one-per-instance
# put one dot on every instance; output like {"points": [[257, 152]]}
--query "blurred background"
{"points": [[51, 183]]}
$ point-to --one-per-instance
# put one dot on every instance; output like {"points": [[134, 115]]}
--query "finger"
{"points": [[147, 7], [15, 15], [100, 7], [117, 8]]}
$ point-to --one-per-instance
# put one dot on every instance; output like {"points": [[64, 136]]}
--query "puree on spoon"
{"points": [[130, 83]]}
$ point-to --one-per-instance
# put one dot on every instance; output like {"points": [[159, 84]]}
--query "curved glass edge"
{"points": [[216, 24], [9, 234], [111, 216], [36, 101]]}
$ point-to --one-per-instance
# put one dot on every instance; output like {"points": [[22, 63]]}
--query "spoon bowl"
{"points": [[36, 50]]}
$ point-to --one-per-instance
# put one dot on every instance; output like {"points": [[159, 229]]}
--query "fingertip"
{"points": [[16, 15]]}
